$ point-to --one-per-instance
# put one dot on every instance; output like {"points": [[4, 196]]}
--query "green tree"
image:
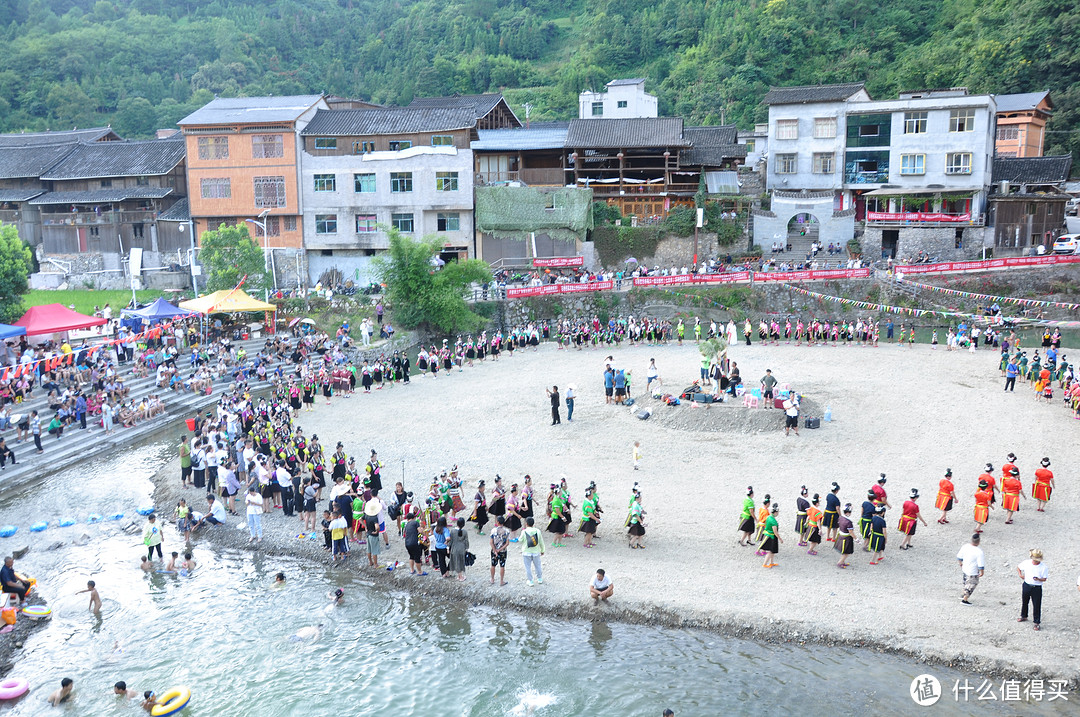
{"points": [[227, 255], [424, 296], [16, 262]]}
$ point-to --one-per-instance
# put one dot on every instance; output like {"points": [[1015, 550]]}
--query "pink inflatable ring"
{"points": [[10, 689]]}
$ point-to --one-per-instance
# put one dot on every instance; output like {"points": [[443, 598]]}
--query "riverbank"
{"points": [[11, 643], [910, 413]]}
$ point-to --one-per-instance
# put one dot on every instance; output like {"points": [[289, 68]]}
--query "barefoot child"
{"points": [[95, 599]]}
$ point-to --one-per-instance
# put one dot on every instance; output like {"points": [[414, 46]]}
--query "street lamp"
{"points": [[267, 257]]}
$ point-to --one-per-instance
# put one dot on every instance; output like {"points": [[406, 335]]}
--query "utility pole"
{"points": [[528, 108]]}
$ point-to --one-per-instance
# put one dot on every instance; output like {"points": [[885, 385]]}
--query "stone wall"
{"points": [[938, 242]]}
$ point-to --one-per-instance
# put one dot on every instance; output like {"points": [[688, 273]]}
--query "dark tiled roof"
{"points": [[811, 93], [479, 104], [16, 162], [399, 120], [1032, 170], [632, 81], [505, 140], [30, 139], [711, 146], [626, 133], [251, 110], [718, 136], [1021, 102], [119, 159], [102, 196], [180, 211], [19, 195]]}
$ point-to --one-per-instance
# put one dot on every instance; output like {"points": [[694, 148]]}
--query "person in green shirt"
{"points": [[557, 525], [185, 462], [680, 330], [589, 520], [746, 518], [635, 522], [771, 545]]}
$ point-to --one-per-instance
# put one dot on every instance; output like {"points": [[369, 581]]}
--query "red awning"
{"points": [[54, 319]]}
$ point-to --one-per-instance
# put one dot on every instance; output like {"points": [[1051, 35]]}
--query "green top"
{"points": [[588, 508], [747, 508], [635, 512], [557, 506], [770, 526], [185, 455]]}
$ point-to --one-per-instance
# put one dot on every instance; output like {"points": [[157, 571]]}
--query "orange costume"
{"points": [[982, 505], [1010, 493], [1041, 489], [945, 495]]}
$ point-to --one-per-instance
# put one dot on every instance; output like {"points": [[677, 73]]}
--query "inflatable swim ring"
{"points": [[38, 527], [93, 518], [66, 523], [36, 612], [116, 516], [145, 510], [171, 702], [12, 688], [7, 531]]}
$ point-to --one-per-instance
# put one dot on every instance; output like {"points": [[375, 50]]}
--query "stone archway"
{"points": [[835, 227]]}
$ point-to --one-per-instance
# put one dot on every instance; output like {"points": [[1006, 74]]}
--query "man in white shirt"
{"points": [[254, 503], [1034, 573], [972, 564], [600, 587], [215, 513]]}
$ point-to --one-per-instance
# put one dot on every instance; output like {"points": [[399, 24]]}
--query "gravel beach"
{"points": [[907, 412]]}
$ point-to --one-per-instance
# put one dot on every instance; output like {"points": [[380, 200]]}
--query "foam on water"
{"points": [[530, 701]]}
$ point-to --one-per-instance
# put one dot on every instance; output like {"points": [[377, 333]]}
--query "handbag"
{"points": [[469, 559]]}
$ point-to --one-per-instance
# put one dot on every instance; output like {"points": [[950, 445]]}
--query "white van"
{"points": [[1067, 244]]}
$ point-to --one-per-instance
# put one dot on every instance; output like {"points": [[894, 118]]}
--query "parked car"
{"points": [[1071, 207], [1067, 244]]}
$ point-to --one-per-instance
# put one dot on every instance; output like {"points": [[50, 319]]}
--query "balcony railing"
{"points": [[879, 177], [95, 218], [10, 216], [925, 219], [634, 189], [543, 177]]}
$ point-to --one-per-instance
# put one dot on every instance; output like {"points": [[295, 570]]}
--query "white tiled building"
{"points": [[622, 99]]}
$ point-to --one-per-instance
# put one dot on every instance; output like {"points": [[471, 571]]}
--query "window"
{"points": [[1008, 132], [216, 188], [450, 222], [142, 181], [213, 147], [95, 231], [402, 222], [622, 104], [824, 163], [326, 223], [398, 145], [267, 146], [597, 109], [750, 144], [363, 147], [400, 182], [962, 120], [442, 140], [325, 183], [364, 183], [787, 129], [106, 183], [137, 230], [326, 143], [787, 163], [958, 163], [869, 130], [912, 164], [824, 127], [273, 226], [914, 123], [269, 192], [446, 181], [290, 224], [366, 224]]}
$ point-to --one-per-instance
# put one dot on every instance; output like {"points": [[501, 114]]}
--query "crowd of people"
{"points": [[1042, 373]]}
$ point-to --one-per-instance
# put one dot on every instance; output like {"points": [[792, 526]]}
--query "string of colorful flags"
{"points": [[908, 311], [992, 297], [53, 362]]}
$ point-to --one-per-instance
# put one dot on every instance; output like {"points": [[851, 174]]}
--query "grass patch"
{"points": [[84, 300]]}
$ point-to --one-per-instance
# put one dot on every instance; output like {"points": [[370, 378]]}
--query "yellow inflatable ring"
{"points": [[171, 702]]}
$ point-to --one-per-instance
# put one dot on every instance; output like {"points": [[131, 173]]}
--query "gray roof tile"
{"points": [[251, 110], [102, 196], [631, 81], [119, 159], [626, 133], [19, 195], [398, 120], [479, 104], [30, 139], [546, 137], [1020, 102], [811, 93], [22, 162], [711, 146], [1032, 170], [180, 211]]}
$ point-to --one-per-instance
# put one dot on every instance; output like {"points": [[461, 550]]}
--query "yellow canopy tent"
{"points": [[226, 301]]}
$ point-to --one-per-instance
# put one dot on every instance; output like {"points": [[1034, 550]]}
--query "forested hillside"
{"points": [[142, 64]]}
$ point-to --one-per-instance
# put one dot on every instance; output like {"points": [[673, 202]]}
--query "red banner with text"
{"points": [[552, 289], [917, 217], [811, 275], [560, 261], [732, 277], [1012, 263]]}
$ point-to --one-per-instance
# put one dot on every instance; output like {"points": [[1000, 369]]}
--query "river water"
{"points": [[232, 637]]}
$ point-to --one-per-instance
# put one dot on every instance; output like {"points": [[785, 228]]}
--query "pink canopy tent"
{"points": [[55, 319]]}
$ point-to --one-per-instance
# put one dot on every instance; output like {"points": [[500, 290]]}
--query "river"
{"points": [[231, 636]]}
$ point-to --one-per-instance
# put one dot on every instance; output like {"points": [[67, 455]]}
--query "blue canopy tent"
{"points": [[160, 310], [7, 331]]}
